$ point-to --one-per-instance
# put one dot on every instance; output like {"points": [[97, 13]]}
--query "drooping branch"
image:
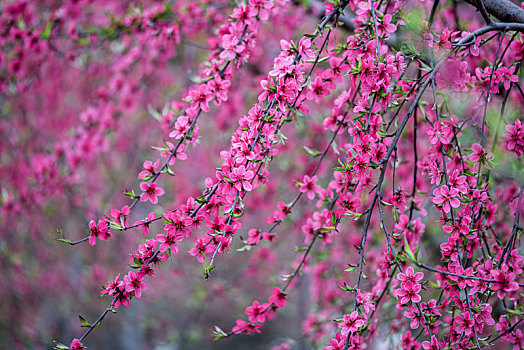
{"points": [[504, 10]]}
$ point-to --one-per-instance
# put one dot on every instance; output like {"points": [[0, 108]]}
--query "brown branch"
{"points": [[504, 10]]}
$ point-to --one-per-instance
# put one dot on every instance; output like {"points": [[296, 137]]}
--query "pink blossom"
{"points": [[151, 192], [278, 298], [200, 249], [149, 170], [458, 181], [254, 236], [385, 27], [464, 324], [438, 134], [133, 283], [515, 138], [262, 6], [177, 223], [351, 323], [280, 213], [243, 14], [408, 291], [242, 178], [338, 66], [434, 345], [410, 275], [201, 97], [76, 345], [148, 249], [518, 49], [122, 299], [98, 230], [256, 312], [113, 286], [336, 343], [446, 198], [444, 39], [309, 186], [474, 49], [507, 76], [329, 7], [518, 339], [120, 215], [282, 66], [365, 300], [409, 342], [319, 89], [479, 154], [181, 127], [244, 327], [220, 87], [399, 200], [169, 241], [504, 281], [144, 224]]}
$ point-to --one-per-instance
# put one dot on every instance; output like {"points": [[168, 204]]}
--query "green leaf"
{"points": [[136, 261], [350, 268], [207, 270], [60, 346], [514, 312], [154, 113], [46, 33], [355, 216], [113, 224], [408, 250], [201, 199], [238, 215], [169, 171], [245, 248], [65, 240], [286, 277], [84, 322], [433, 284], [347, 288], [335, 148], [84, 41], [130, 194], [313, 153], [218, 334]]}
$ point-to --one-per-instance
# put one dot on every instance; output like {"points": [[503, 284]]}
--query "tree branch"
{"points": [[504, 10]]}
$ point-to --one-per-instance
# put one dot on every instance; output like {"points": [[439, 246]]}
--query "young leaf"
{"points": [[59, 346], [84, 322], [408, 250], [46, 33], [313, 153]]}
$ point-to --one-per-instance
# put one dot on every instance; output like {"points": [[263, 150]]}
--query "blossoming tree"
{"points": [[338, 175]]}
